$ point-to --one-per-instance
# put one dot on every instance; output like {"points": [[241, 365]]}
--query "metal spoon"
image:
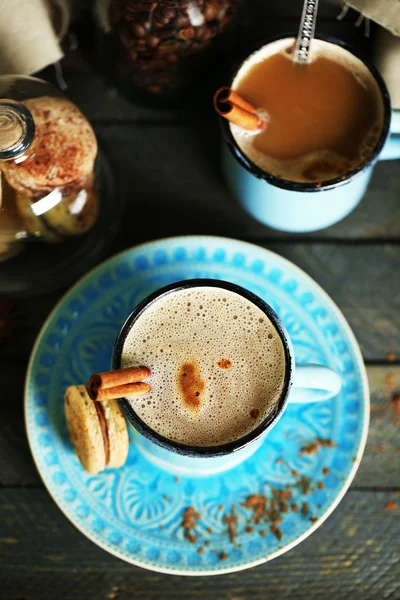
{"points": [[306, 31]]}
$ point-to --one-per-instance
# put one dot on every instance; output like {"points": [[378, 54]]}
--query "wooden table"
{"points": [[167, 162]]}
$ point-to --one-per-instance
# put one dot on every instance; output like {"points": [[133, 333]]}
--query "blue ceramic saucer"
{"points": [[136, 512]]}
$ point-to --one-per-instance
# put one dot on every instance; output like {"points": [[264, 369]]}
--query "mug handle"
{"points": [[391, 149], [313, 383]]}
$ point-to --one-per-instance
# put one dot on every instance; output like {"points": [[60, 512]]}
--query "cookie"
{"points": [[98, 431]]}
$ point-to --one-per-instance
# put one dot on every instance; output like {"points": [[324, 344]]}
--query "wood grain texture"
{"points": [[379, 467], [354, 554], [361, 280]]}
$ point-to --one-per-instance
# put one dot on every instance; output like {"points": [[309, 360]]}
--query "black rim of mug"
{"points": [[205, 451], [295, 186]]}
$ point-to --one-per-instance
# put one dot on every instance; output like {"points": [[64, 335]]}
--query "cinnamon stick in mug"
{"points": [[233, 107], [112, 379]]}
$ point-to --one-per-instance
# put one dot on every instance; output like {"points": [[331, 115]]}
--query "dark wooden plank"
{"points": [[174, 173], [362, 281], [379, 467], [354, 554], [16, 463]]}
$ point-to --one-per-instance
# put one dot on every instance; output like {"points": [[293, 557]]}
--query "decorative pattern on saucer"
{"points": [[136, 512]]}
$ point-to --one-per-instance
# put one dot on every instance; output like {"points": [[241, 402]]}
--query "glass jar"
{"points": [[165, 49], [48, 187]]}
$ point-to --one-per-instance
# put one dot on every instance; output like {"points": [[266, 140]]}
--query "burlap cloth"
{"points": [[30, 34], [387, 44]]}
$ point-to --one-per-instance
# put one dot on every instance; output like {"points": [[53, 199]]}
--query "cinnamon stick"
{"points": [[110, 379], [233, 107], [120, 391]]}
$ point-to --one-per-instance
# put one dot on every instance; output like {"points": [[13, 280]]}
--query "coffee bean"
{"points": [[153, 41], [182, 21], [210, 11], [167, 47], [186, 34], [166, 33], [138, 30], [172, 58], [154, 89], [167, 13], [145, 6], [133, 56], [199, 32]]}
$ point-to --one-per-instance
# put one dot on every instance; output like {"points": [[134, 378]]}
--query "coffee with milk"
{"points": [[217, 365], [323, 119]]}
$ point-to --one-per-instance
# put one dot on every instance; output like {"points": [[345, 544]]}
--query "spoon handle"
{"points": [[306, 31]]}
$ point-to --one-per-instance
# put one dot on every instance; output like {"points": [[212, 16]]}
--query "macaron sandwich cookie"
{"points": [[97, 430]]}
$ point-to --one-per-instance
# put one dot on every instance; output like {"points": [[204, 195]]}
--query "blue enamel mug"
{"points": [[302, 207], [302, 384]]}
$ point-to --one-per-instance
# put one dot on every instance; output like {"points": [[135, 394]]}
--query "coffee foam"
{"points": [[322, 164], [234, 346]]}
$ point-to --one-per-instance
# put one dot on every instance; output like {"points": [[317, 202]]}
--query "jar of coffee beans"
{"points": [[165, 48]]}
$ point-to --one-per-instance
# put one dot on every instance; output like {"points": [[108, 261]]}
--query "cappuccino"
{"points": [[323, 119], [217, 365]]}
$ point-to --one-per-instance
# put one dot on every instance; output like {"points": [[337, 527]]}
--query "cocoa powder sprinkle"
{"points": [[231, 521], [190, 516], [257, 502]]}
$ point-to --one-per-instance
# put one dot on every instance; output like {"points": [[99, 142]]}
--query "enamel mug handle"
{"points": [[313, 383], [391, 149]]}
